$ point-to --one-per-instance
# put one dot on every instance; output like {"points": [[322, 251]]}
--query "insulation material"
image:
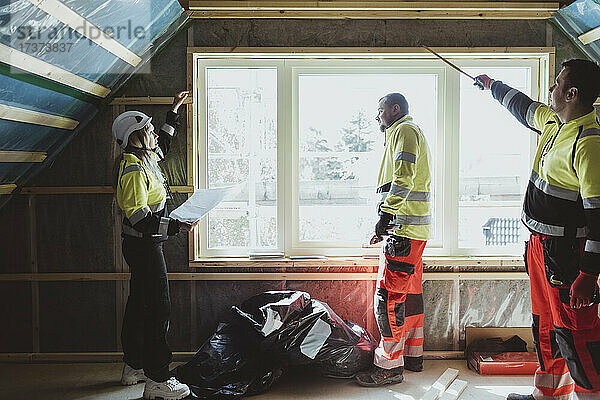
{"points": [[174, 165], [12, 294], [169, 72], [494, 304], [450, 306], [578, 18], [75, 233], [438, 325], [180, 331], [77, 316], [15, 256], [86, 161]]}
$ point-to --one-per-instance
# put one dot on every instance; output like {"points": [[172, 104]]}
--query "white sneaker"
{"points": [[132, 376], [171, 389]]}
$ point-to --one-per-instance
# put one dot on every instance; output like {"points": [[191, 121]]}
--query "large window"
{"points": [[301, 138]]}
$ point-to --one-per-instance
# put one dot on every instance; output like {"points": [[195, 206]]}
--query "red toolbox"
{"points": [[509, 363]]}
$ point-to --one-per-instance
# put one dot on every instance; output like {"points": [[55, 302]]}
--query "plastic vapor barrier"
{"points": [[133, 24], [577, 19], [106, 43]]}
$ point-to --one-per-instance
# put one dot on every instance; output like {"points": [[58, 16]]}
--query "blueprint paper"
{"points": [[202, 201]]}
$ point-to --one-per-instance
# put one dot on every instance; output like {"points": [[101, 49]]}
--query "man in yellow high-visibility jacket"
{"points": [[404, 217], [562, 211]]}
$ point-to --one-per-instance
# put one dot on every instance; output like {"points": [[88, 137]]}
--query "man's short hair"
{"points": [[396, 98], [585, 76]]}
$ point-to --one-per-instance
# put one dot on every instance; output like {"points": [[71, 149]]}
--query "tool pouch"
{"points": [[562, 257], [398, 247]]}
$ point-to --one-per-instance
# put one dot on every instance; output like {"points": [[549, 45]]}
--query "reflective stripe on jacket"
{"points": [[405, 179], [563, 193]]}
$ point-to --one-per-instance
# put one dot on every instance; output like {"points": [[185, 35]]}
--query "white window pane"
{"points": [[340, 148], [494, 164], [242, 147]]}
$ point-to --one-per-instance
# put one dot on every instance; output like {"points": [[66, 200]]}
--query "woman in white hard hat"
{"points": [[142, 194]]}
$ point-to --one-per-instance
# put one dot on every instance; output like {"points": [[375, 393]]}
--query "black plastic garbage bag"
{"points": [[268, 332]]}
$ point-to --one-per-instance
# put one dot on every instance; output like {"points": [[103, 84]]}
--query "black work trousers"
{"points": [[146, 319]]}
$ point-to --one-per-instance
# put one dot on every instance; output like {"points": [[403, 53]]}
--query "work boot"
{"points": [[171, 389], [414, 364], [378, 376], [516, 396], [132, 376]]}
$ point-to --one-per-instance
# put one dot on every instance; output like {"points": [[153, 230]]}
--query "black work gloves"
{"points": [[384, 223]]}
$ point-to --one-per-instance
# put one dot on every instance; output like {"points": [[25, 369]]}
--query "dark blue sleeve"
{"points": [[168, 131], [521, 106]]}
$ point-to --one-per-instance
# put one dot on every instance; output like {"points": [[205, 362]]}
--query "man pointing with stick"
{"points": [[562, 211]]}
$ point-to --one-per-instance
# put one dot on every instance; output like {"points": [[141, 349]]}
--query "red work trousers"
{"points": [[399, 302], [567, 340]]}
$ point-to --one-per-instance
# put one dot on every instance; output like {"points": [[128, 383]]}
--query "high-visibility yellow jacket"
{"points": [[405, 178], [563, 194], [142, 197]]}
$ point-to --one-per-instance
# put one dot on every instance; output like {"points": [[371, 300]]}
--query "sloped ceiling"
{"points": [[580, 21], [60, 61]]}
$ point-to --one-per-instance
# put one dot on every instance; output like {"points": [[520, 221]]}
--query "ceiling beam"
{"points": [[7, 188], [25, 62], [22, 156], [35, 117], [84, 27], [334, 9], [590, 36]]}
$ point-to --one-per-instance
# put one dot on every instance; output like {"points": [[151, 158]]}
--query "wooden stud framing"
{"points": [[146, 100], [33, 264], [7, 188], [28, 63], [420, 52], [121, 287], [371, 9], [590, 36], [35, 117], [78, 23], [190, 166], [22, 156]]}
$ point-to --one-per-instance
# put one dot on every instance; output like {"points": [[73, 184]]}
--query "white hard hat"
{"points": [[126, 123]]}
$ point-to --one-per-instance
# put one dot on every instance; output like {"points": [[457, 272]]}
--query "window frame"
{"points": [[289, 63]]}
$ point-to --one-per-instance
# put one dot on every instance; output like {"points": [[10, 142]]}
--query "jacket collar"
{"points": [[389, 129]]}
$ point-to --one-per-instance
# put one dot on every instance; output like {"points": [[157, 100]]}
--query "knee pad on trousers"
{"points": [[565, 340], [383, 317]]}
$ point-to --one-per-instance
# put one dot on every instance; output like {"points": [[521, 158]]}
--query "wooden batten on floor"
{"points": [[22, 156], [25, 62], [86, 28], [35, 117]]}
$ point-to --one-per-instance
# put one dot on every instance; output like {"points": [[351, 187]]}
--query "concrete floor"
{"points": [[100, 381]]}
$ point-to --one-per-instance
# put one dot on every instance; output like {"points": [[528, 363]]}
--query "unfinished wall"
{"points": [[74, 232]]}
